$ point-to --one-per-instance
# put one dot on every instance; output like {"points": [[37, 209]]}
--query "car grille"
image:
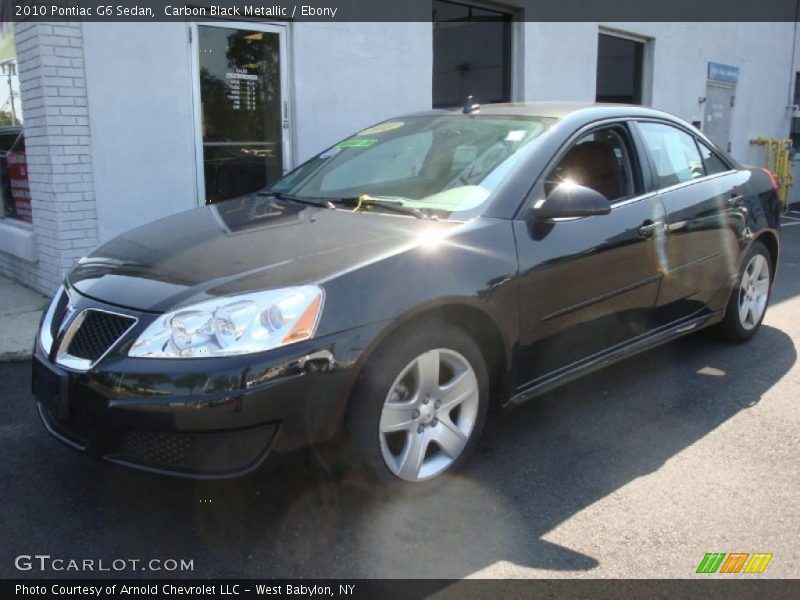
{"points": [[58, 313], [97, 333]]}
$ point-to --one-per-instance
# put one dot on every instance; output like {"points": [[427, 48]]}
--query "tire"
{"points": [[749, 297], [426, 430]]}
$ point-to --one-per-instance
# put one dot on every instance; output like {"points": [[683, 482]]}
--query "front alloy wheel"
{"points": [[418, 407], [429, 415]]}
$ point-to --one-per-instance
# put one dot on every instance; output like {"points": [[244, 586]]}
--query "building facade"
{"points": [[128, 122]]}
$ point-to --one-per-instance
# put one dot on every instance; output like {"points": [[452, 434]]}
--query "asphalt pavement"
{"points": [[635, 471]]}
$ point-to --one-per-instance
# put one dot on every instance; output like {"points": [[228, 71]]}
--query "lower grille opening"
{"points": [[168, 450], [195, 453], [82, 422], [79, 426]]}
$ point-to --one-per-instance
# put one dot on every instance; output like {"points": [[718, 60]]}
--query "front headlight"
{"points": [[233, 325]]}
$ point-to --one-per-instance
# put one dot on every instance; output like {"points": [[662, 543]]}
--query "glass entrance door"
{"points": [[243, 110]]}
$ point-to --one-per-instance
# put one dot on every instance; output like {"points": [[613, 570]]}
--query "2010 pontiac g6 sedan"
{"points": [[390, 289]]}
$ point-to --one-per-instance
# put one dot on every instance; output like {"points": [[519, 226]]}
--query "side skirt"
{"points": [[616, 354]]}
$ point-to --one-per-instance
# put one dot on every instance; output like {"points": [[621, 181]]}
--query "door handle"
{"points": [[647, 230]]}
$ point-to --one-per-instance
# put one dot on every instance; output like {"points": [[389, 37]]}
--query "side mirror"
{"points": [[571, 200]]}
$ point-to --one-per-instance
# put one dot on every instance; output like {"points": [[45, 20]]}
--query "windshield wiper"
{"points": [[321, 202], [365, 201]]}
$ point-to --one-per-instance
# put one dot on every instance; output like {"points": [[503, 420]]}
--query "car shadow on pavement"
{"points": [[537, 466]]}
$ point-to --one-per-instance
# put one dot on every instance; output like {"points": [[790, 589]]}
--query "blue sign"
{"points": [[719, 72]]}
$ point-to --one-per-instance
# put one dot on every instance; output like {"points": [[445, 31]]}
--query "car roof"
{"points": [[558, 110], [576, 114]]}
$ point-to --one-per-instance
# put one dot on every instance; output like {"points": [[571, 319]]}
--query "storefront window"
{"points": [[471, 54], [619, 69], [240, 91], [16, 197]]}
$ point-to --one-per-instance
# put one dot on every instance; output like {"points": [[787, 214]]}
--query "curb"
{"points": [[17, 356]]}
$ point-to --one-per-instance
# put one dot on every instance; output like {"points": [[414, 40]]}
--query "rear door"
{"points": [[702, 195], [588, 284]]}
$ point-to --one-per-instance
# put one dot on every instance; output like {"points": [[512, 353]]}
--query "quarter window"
{"points": [[711, 160], [673, 153]]}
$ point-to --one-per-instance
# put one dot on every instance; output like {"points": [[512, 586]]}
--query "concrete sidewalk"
{"points": [[20, 310]]}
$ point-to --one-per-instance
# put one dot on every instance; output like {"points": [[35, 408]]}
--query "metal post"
{"points": [[776, 159]]}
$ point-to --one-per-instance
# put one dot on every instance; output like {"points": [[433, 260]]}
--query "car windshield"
{"points": [[447, 166]]}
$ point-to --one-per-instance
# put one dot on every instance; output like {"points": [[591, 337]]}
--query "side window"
{"points": [[673, 152], [599, 160], [711, 160]]}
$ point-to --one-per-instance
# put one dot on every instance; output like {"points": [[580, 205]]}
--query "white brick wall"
{"points": [[57, 144]]}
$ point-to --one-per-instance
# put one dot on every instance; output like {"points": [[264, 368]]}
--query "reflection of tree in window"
{"points": [[241, 106]]}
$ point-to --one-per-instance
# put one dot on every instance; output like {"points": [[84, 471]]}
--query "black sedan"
{"points": [[388, 291]]}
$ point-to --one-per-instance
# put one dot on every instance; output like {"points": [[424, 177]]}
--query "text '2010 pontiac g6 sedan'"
{"points": [[388, 291]]}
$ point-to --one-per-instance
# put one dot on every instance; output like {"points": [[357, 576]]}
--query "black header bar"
{"points": [[733, 588], [395, 10]]}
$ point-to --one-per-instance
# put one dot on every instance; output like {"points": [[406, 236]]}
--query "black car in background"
{"points": [[390, 289]]}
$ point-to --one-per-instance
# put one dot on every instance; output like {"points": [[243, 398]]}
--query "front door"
{"points": [[589, 284], [242, 109]]}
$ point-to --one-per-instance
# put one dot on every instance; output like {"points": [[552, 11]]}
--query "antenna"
{"points": [[470, 107]]}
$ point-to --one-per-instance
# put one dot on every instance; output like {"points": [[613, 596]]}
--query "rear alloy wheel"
{"points": [[754, 292], [419, 405], [429, 415], [750, 298]]}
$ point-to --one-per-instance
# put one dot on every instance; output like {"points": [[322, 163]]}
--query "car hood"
{"points": [[238, 246]]}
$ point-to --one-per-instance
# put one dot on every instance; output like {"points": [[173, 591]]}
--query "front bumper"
{"points": [[202, 418]]}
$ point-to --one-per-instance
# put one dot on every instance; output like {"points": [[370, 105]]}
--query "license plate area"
{"points": [[51, 389]]}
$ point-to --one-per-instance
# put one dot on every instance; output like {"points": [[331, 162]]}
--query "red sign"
{"points": [[20, 191]]}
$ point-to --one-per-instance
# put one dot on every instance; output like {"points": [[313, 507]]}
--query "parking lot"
{"points": [[636, 471]]}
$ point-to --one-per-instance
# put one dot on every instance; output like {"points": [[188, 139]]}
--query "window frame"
{"points": [[640, 165], [624, 136]]}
